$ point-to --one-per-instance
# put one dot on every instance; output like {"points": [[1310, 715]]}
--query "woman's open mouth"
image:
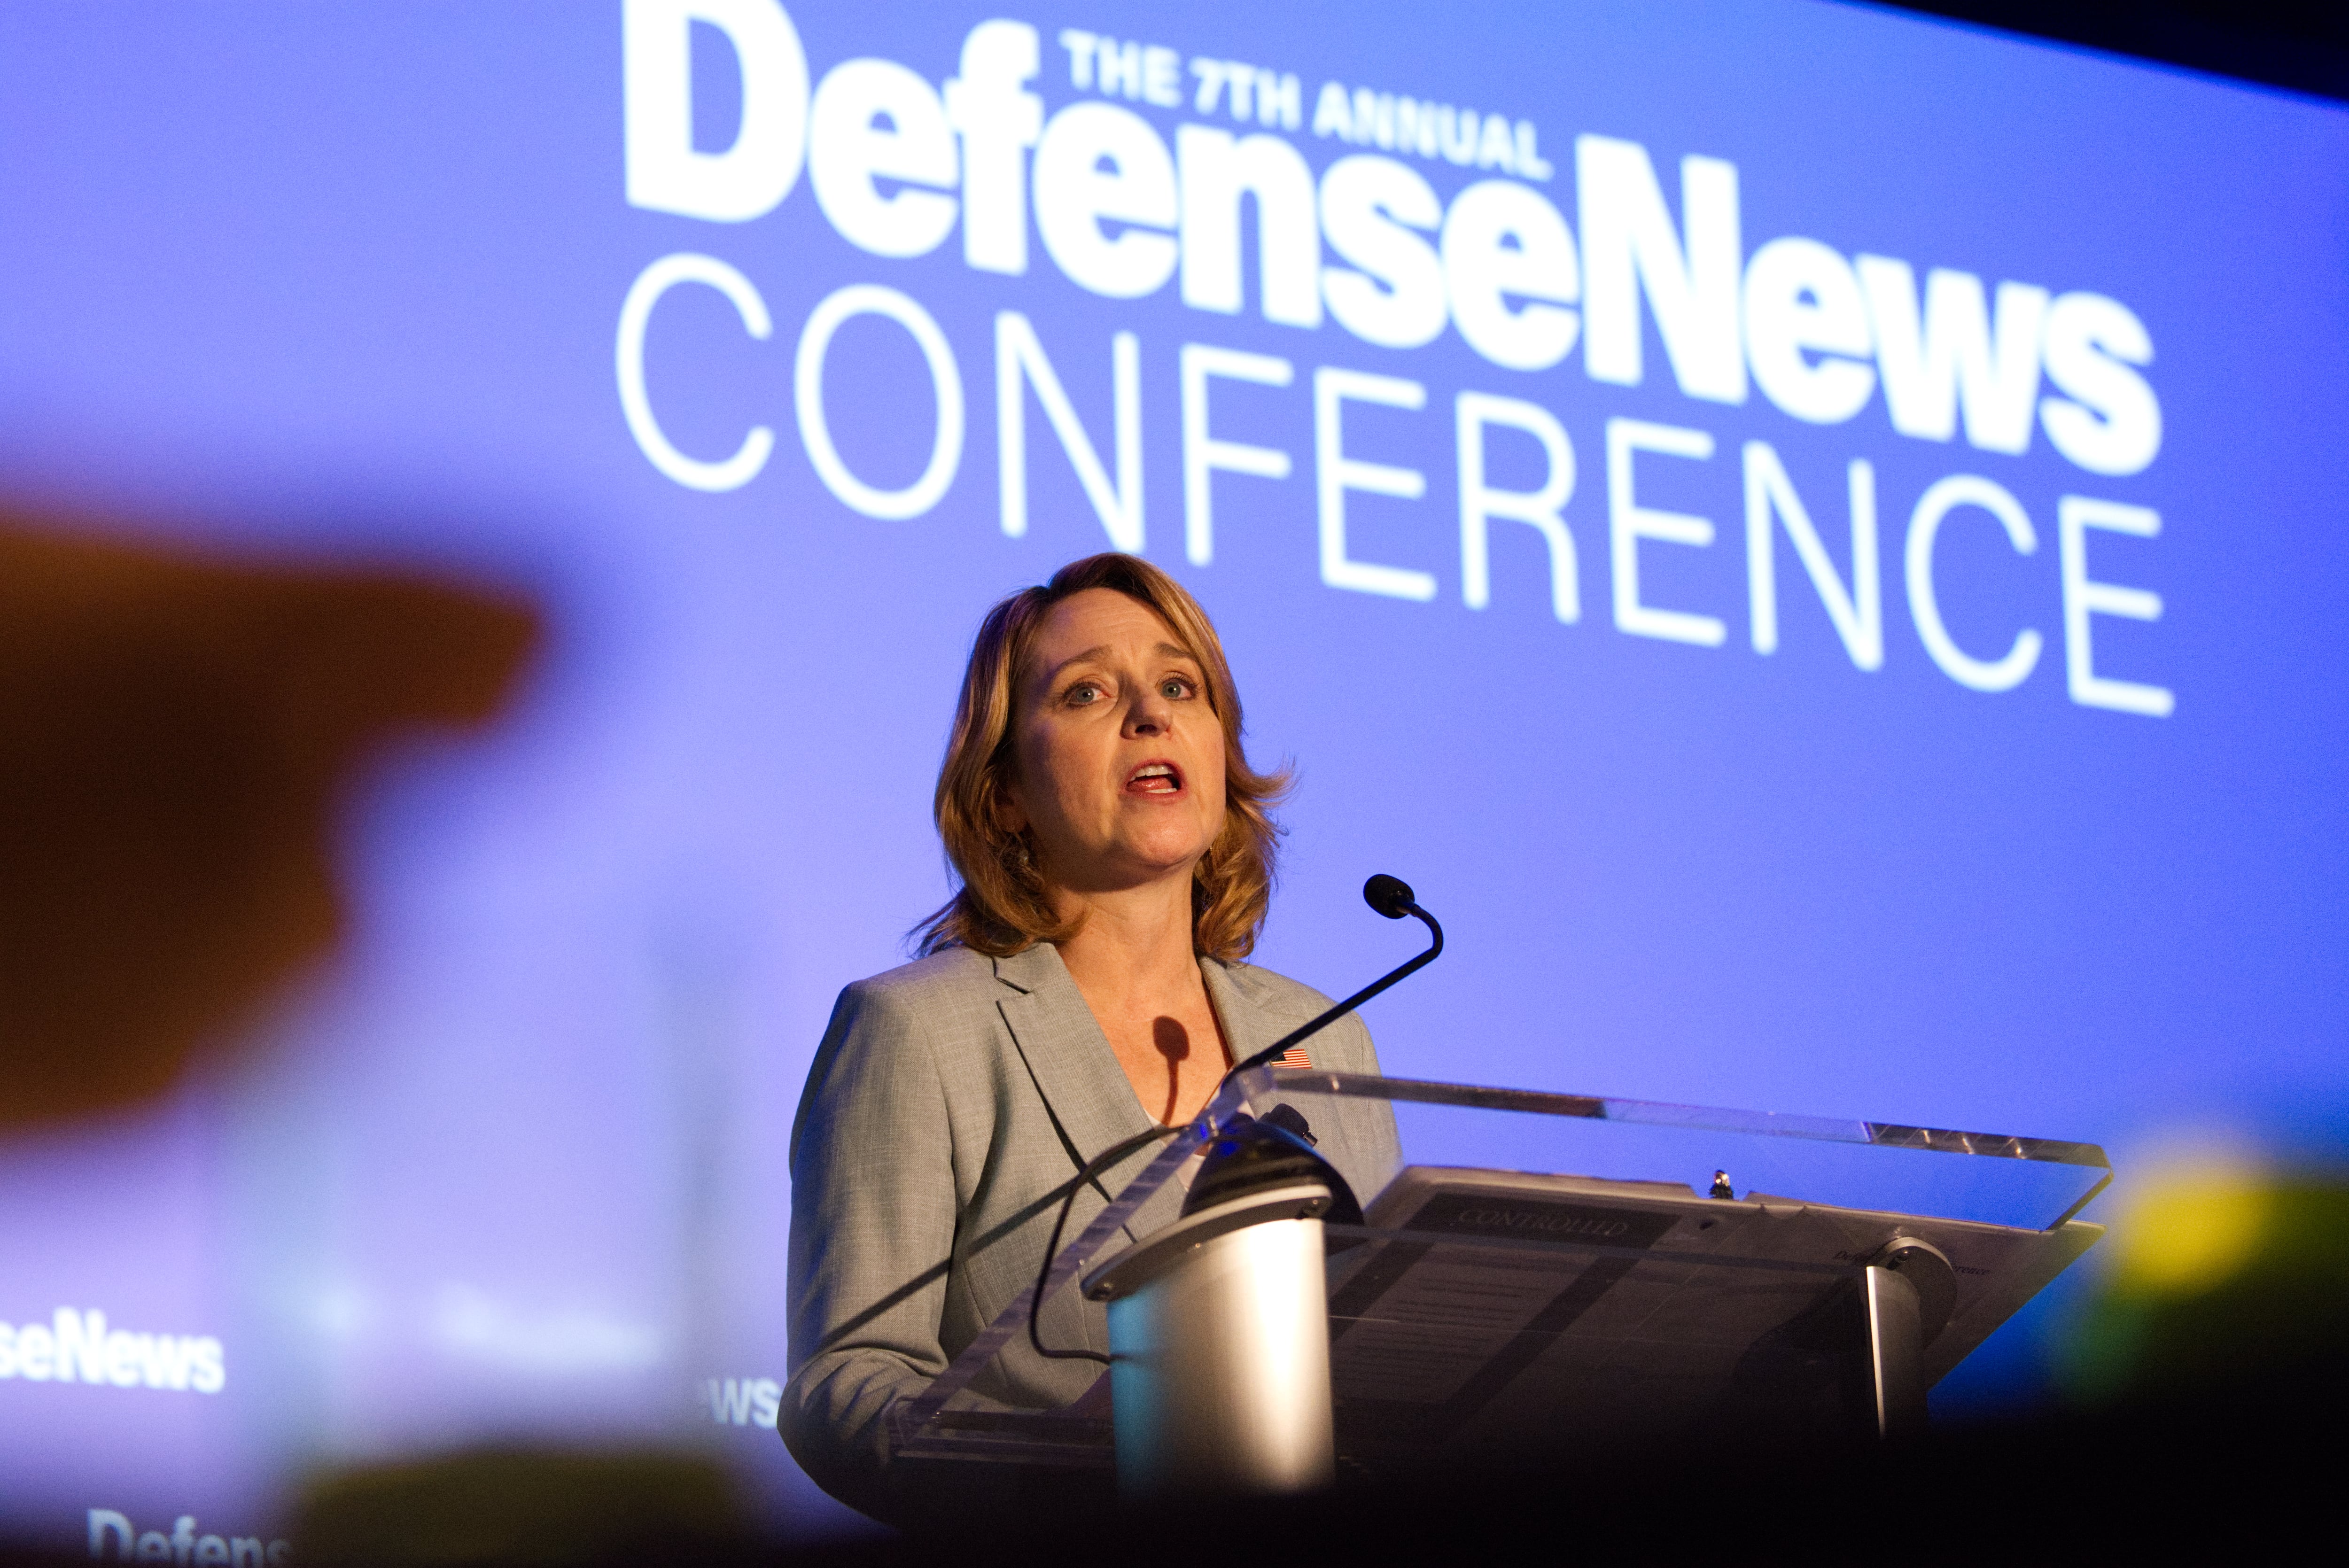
{"points": [[1155, 778]]}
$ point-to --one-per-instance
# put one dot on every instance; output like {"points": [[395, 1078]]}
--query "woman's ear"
{"points": [[1009, 815]]}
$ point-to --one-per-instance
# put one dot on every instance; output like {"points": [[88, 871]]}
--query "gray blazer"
{"points": [[949, 1107]]}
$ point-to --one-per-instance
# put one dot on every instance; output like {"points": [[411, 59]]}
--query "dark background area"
{"points": [[2302, 47]]}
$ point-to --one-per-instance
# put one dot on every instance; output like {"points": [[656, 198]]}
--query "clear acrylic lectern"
{"points": [[1545, 1274]]}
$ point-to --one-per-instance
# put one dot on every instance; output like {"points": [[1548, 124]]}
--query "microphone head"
{"points": [[1390, 896]]}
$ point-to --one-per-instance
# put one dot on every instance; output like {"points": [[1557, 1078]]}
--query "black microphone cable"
{"points": [[1100, 1162]]}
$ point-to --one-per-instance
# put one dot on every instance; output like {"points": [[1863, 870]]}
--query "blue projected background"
{"points": [[1811, 537]]}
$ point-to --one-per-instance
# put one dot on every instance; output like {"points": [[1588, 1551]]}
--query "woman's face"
{"points": [[1120, 757]]}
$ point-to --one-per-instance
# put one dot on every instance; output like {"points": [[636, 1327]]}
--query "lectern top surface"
{"points": [[1630, 1256]]}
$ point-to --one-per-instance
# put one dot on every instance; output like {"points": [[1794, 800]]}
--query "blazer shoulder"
{"points": [[956, 975], [946, 995], [898, 1036], [1276, 993], [943, 985]]}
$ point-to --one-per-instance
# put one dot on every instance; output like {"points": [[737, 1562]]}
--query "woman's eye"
{"points": [[1083, 693], [1173, 687]]}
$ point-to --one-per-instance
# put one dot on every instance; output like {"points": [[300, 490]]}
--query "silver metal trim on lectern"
{"points": [[1219, 1350], [1908, 1290]]}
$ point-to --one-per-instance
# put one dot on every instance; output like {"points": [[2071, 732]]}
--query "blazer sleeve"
{"points": [[872, 1225]]}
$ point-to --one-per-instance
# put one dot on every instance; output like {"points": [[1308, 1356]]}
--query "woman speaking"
{"points": [[1115, 857]]}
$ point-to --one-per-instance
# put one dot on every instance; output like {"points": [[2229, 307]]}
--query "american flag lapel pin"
{"points": [[1294, 1056]]}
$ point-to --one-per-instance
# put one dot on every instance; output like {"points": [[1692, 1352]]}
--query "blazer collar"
{"points": [[1239, 1001], [1066, 1054], [1070, 1057], [1233, 989]]}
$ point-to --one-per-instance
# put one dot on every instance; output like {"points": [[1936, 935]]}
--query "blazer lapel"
{"points": [[1084, 1087], [1240, 1005]]}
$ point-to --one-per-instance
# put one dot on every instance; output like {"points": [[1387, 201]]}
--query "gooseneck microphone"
{"points": [[1248, 1152], [1391, 897]]}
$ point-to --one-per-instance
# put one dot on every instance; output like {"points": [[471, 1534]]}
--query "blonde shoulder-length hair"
{"points": [[1002, 906]]}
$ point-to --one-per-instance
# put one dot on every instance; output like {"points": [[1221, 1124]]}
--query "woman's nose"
{"points": [[1151, 712]]}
